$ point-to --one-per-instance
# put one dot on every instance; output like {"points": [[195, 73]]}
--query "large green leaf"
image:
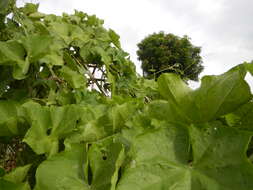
{"points": [[11, 53], [242, 118], [161, 159], [49, 125], [98, 122], [37, 46], [40, 121], [8, 119], [18, 175], [63, 171], [20, 70], [122, 114], [54, 57], [6, 185], [105, 159], [217, 95], [74, 169], [15, 180], [30, 8], [166, 110], [75, 79], [93, 125], [95, 53], [4, 6], [224, 93], [67, 32]]}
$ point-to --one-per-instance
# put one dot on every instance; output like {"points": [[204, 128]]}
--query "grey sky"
{"points": [[223, 28]]}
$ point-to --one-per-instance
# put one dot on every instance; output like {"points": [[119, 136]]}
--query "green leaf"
{"points": [[164, 110], [4, 6], [54, 55], [65, 97], [68, 33], [161, 159], [37, 15], [75, 79], [102, 53], [30, 8], [37, 46], [70, 62], [2, 172], [15, 180], [8, 185], [105, 159], [11, 53], [20, 70], [8, 119], [121, 114], [217, 95], [155, 156], [89, 53], [225, 92], [18, 175], [49, 125], [40, 122], [63, 171], [94, 21], [70, 169], [94, 124], [249, 67], [242, 118], [64, 120], [115, 38], [98, 122]]}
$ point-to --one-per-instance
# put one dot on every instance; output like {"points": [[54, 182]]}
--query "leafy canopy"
{"points": [[57, 132]]}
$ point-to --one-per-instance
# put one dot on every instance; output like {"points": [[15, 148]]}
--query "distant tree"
{"points": [[163, 53]]}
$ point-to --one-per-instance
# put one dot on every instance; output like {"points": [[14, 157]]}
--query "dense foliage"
{"points": [[166, 53], [58, 132]]}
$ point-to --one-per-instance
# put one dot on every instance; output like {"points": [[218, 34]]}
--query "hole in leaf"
{"points": [[104, 155], [250, 150], [119, 175], [190, 160], [49, 131], [61, 145], [89, 174], [88, 146]]}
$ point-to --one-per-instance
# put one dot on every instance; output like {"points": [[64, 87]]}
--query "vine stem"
{"points": [[91, 76]]}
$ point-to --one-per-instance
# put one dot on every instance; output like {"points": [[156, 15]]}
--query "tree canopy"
{"points": [[165, 53]]}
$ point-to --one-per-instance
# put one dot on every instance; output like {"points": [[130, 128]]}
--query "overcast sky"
{"points": [[223, 28]]}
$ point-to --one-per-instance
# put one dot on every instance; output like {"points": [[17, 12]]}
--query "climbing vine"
{"points": [[75, 115]]}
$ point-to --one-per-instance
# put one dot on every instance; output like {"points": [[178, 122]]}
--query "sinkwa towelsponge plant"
{"points": [[74, 114]]}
